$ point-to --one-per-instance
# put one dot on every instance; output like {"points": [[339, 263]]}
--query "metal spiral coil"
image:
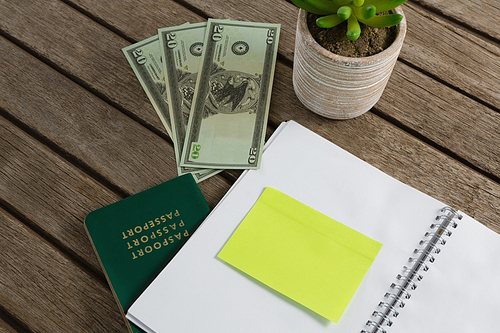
{"points": [[408, 278]]}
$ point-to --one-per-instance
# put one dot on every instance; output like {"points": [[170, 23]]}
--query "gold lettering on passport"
{"points": [[154, 234]]}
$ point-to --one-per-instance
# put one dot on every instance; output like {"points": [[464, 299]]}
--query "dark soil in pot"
{"points": [[371, 40]]}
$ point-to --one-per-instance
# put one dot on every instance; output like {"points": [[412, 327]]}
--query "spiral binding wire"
{"points": [[407, 280]]}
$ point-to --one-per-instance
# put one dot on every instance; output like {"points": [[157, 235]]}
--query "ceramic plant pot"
{"points": [[340, 87]]}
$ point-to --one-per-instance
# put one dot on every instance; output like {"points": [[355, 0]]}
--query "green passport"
{"points": [[136, 237]]}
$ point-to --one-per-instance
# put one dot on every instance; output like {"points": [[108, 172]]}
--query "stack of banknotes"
{"points": [[210, 83]]}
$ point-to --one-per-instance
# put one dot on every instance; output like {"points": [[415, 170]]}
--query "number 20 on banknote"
{"points": [[228, 116]]}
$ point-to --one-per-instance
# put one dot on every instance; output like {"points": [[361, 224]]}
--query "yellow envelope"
{"points": [[301, 253]]}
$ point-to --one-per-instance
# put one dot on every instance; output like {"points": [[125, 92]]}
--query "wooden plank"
{"points": [[481, 15], [93, 132], [453, 54], [6, 328], [155, 12], [398, 154], [52, 194], [454, 121], [137, 20], [84, 49], [46, 291]]}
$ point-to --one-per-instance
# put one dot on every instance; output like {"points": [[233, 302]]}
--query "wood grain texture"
{"points": [[6, 328], [481, 15], [47, 291], [82, 48], [138, 19], [453, 54], [48, 191], [81, 124], [444, 116], [271, 11]]}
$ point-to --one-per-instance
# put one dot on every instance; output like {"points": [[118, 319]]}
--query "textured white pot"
{"points": [[340, 87]]}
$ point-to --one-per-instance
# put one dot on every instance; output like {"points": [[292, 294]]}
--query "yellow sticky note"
{"points": [[301, 253]]}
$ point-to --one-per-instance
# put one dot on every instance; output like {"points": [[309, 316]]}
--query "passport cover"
{"points": [[136, 237]]}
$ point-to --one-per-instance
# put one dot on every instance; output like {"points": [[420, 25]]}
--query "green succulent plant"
{"points": [[334, 12]]}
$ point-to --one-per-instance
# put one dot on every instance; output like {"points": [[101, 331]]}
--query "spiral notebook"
{"points": [[436, 271]]}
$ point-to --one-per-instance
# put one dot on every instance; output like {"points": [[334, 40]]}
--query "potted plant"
{"points": [[338, 86]]}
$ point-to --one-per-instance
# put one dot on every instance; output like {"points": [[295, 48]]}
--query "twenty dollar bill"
{"points": [[145, 59], [182, 49], [230, 106]]}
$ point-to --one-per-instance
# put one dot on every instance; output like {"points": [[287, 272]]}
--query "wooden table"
{"points": [[78, 132]]}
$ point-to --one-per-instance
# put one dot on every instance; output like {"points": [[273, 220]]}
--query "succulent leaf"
{"points": [[390, 5], [308, 8], [328, 21], [383, 21], [376, 2], [353, 28], [323, 5], [344, 12], [358, 3], [365, 12], [341, 2]]}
